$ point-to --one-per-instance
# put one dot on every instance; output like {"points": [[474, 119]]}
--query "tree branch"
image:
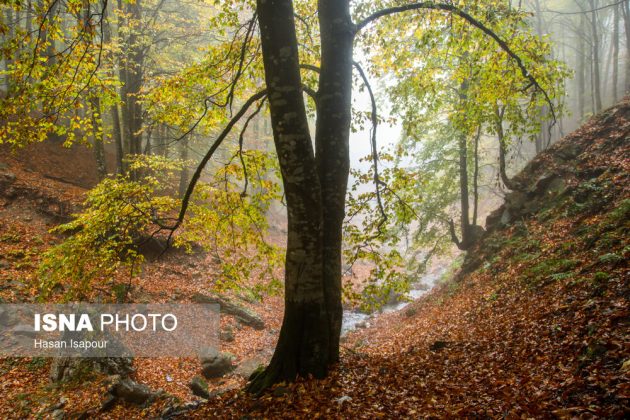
{"points": [[202, 164], [377, 180], [473, 21]]}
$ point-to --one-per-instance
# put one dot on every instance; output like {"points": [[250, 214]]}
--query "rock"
{"points": [[108, 403], [199, 387], [132, 392], [343, 399], [438, 345], [229, 307], [175, 411], [248, 367], [215, 364], [24, 330], [7, 177], [67, 368], [58, 414], [227, 335]]}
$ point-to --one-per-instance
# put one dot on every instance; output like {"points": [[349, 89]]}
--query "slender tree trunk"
{"points": [[332, 148], [581, 68], [8, 62], [134, 68], [476, 177], [117, 133], [615, 53], [595, 54], [542, 139], [463, 187], [98, 145], [509, 184], [625, 12], [304, 344]]}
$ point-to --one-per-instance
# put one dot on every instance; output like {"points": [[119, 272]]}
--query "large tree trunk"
{"points": [[332, 148], [303, 347]]}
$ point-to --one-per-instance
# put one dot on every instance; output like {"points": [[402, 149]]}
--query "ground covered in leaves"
{"points": [[535, 323]]}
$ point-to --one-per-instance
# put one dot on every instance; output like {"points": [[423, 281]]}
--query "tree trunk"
{"points": [[476, 177], [332, 148], [134, 68], [503, 150], [99, 147], [615, 53], [595, 65], [581, 83], [625, 12], [303, 347], [463, 189]]}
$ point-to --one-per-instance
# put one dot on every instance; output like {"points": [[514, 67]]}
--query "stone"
{"points": [[241, 313], [215, 364], [132, 392], [227, 334], [108, 403], [67, 368], [438, 345], [248, 367], [58, 414], [199, 387]]}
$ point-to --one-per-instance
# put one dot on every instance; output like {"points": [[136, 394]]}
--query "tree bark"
{"points": [[117, 133], [625, 12], [615, 53], [509, 184], [334, 101], [99, 147], [303, 347], [595, 65], [581, 64]]}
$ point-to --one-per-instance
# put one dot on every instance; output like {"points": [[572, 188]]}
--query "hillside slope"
{"points": [[535, 323]]}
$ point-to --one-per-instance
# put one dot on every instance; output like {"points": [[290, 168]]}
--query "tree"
{"points": [[315, 182]]}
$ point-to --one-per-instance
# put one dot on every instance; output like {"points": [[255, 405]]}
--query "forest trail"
{"points": [[535, 322]]}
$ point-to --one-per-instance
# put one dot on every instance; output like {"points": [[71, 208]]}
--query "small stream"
{"points": [[353, 318]]}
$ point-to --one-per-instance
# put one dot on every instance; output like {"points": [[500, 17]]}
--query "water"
{"points": [[352, 319]]}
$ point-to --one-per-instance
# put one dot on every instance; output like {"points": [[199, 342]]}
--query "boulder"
{"points": [[248, 367], [67, 368], [215, 364], [241, 313], [227, 334], [199, 387], [131, 391]]}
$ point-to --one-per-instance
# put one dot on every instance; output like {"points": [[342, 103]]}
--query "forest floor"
{"points": [[535, 323]]}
